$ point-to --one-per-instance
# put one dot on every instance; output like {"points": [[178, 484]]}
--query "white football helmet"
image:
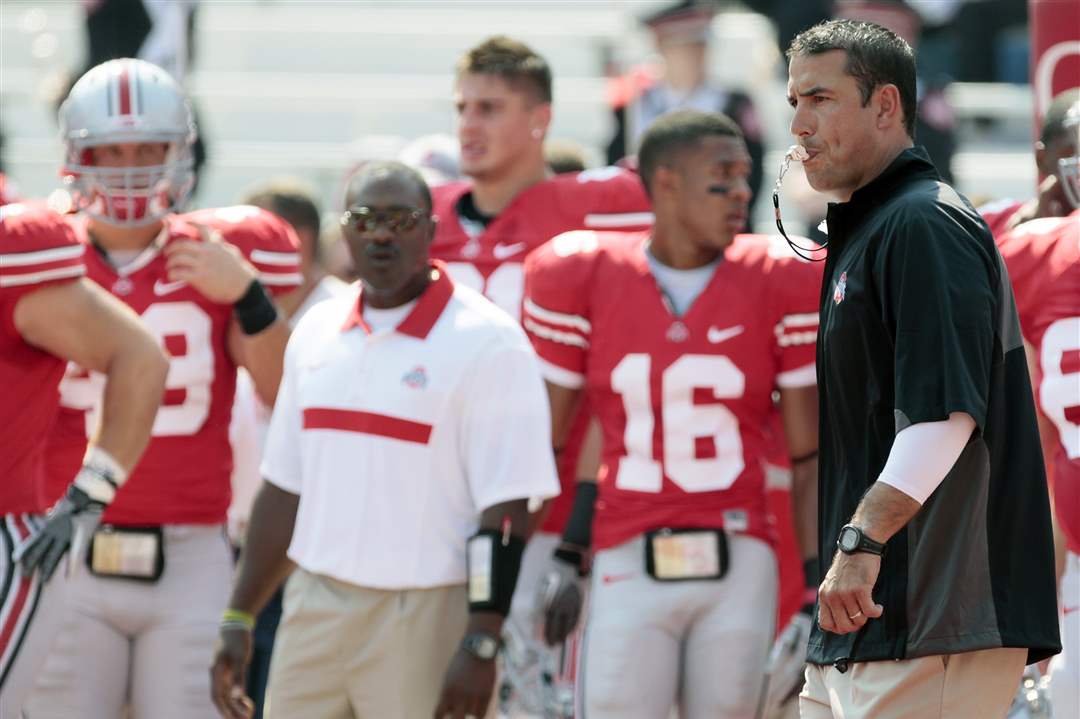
{"points": [[127, 101], [1069, 167]]}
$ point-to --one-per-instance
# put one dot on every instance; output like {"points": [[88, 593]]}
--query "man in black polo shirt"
{"points": [[933, 500]]}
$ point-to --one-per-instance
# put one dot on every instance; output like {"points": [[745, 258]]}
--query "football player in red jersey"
{"points": [[1043, 260], [49, 315], [678, 338], [1055, 143], [510, 205], [149, 600]]}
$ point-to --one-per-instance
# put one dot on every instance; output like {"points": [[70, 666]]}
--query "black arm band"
{"points": [[255, 311], [578, 530], [494, 560]]}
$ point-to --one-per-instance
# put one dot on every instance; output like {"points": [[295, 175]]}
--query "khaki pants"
{"points": [[346, 651], [979, 685]]}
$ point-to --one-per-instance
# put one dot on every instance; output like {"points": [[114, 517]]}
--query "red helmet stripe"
{"points": [[125, 91]]}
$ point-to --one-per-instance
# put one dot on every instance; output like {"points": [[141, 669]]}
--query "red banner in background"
{"points": [[1055, 49]]}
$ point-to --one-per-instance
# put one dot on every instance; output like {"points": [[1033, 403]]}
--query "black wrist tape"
{"points": [[578, 531], [811, 574], [255, 311], [494, 560]]}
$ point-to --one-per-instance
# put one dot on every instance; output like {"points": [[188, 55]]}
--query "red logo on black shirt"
{"points": [[841, 289]]}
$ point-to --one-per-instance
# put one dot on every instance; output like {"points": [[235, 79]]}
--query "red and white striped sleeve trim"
{"points": [[556, 329], [797, 329], [618, 220], [18, 269], [277, 269]]}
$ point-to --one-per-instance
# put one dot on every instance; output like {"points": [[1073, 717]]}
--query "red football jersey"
{"points": [[489, 259], [1043, 259], [37, 249], [184, 475], [684, 402], [998, 213]]}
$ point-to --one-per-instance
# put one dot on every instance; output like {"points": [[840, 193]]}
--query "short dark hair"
{"points": [[515, 62], [386, 170], [876, 56], [292, 202], [674, 133], [1053, 125]]}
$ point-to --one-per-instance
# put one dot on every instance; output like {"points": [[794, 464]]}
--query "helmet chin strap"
{"points": [[795, 152]]}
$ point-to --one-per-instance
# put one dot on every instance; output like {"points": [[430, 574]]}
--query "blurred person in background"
{"points": [[564, 156], [682, 33], [1057, 141], [435, 156], [295, 204], [145, 608], [405, 564], [52, 315], [511, 204]]}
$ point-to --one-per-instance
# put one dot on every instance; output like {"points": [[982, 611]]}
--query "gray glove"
{"points": [[786, 668], [73, 519], [561, 596]]}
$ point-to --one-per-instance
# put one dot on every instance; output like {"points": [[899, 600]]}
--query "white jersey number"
{"points": [[1059, 391], [685, 422], [504, 286], [192, 372]]}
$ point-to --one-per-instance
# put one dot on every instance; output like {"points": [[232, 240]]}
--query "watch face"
{"points": [[487, 647], [849, 539]]}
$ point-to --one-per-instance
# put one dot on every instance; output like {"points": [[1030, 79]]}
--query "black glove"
{"points": [[75, 515]]}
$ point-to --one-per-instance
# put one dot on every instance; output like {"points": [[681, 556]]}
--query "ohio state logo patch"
{"points": [[841, 289], [416, 379]]}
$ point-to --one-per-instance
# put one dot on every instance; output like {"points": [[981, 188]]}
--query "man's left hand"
{"points": [[214, 267], [467, 688], [845, 598]]}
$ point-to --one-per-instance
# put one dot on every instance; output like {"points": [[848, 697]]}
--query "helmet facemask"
{"points": [[1069, 167], [127, 102]]}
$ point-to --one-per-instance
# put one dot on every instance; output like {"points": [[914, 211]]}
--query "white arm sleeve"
{"points": [[923, 454]]}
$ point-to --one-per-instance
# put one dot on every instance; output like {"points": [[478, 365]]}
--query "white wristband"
{"points": [[100, 475]]}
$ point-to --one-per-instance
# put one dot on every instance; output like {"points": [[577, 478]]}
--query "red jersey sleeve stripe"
{"points": [[280, 279], [554, 335], [40, 257], [29, 278], [558, 319], [380, 425], [618, 220], [265, 257]]}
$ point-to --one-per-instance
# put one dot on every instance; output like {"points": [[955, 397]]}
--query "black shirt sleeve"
{"points": [[937, 294]]}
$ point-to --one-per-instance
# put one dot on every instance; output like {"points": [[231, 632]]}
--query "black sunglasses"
{"points": [[395, 219]]}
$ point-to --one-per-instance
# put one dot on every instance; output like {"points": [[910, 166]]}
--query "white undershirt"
{"points": [[389, 318], [681, 287], [922, 454]]}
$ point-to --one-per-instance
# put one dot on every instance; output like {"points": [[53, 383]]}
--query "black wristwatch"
{"points": [[852, 540], [481, 645]]}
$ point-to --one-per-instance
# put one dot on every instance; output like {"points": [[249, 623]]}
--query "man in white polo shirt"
{"points": [[411, 428]]}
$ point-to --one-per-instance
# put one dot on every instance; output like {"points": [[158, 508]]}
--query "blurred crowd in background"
{"points": [[310, 90]]}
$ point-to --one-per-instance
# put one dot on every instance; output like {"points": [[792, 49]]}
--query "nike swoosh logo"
{"points": [[503, 252], [164, 288], [612, 578], [716, 336]]}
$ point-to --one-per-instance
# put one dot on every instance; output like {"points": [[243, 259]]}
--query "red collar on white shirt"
{"points": [[424, 315]]}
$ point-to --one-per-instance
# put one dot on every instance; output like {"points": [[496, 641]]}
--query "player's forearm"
{"points": [[263, 356], [884, 511], [135, 382], [264, 563], [804, 499]]}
